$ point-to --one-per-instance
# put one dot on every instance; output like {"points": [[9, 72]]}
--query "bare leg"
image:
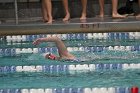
{"points": [[138, 16], [44, 12], [67, 16], [101, 2], [139, 3], [84, 9], [114, 10], [48, 6]]}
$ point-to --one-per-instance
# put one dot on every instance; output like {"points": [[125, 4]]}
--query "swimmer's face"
{"points": [[50, 56]]}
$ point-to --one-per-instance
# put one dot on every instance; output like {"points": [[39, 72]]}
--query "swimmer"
{"points": [[65, 55], [62, 50]]}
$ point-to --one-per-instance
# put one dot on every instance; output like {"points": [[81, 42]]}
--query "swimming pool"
{"points": [[113, 68]]}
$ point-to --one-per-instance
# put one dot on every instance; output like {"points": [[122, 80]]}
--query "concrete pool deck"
{"points": [[91, 25]]}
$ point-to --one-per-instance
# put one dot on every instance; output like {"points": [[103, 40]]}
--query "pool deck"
{"points": [[91, 25]]}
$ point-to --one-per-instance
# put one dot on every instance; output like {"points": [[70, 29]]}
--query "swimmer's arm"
{"points": [[47, 39], [63, 52]]}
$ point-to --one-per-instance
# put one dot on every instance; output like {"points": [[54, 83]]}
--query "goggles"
{"points": [[51, 56]]}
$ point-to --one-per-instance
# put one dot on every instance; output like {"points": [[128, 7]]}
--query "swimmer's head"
{"points": [[50, 56]]}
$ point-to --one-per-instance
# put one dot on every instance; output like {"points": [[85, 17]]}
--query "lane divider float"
{"points": [[15, 51], [132, 89], [71, 69], [79, 36]]}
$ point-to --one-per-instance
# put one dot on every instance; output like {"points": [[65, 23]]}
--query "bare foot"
{"points": [[138, 16], [45, 21], [50, 21], [101, 15], [66, 18], [83, 17], [118, 16]]}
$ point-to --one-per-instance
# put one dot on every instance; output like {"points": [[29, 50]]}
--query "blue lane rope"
{"points": [[14, 51], [60, 69], [81, 36]]}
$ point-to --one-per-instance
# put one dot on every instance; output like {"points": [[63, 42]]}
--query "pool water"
{"points": [[94, 79], [111, 50], [93, 58]]}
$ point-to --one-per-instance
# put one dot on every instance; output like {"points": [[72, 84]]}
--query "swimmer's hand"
{"points": [[47, 39], [37, 41]]}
